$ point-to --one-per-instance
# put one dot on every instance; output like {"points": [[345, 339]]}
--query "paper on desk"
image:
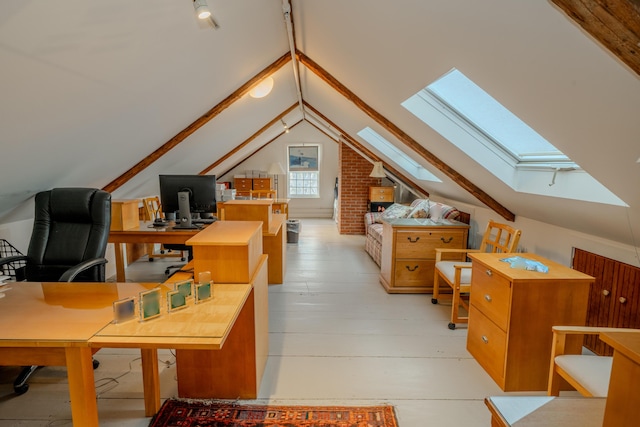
{"points": [[514, 408], [522, 263]]}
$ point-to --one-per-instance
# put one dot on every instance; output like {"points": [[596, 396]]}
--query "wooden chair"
{"points": [[262, 194], [457, 274], [153, 211], [587, 373]]}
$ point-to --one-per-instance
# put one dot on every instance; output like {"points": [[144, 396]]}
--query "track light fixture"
{"points": [[284, 125], [202, 10]]}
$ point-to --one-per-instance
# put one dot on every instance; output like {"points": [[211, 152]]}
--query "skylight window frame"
{"points": [[398, 156], [548, 160]]}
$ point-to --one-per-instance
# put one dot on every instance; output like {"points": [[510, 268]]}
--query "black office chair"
{"points": [[68, 244]]}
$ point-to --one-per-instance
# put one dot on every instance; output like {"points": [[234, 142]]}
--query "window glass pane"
{"points": [[303, 184]]}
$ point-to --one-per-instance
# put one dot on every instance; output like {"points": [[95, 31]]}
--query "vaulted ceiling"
{"points": [[111, 93]]}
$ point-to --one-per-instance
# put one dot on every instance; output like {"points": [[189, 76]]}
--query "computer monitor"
{"points": [[187, 195]]}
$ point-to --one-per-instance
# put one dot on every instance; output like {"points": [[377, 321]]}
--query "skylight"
{"points": [[399, 157], [481, 127]]}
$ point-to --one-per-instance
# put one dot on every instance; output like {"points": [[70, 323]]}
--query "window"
{"points": [[482, 128], [398, 156], [304, 172]]}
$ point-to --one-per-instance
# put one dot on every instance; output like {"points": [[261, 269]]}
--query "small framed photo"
{"points": [[149, 304], [203, 292], [124, 310], [175, 301], [185, 288]]}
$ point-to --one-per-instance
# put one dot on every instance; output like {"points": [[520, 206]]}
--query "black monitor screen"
{"points": [[201, 189]]}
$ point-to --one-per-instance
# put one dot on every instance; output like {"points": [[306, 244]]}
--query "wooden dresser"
{"points": [[511, 314], [243, 186], [408, 252]]}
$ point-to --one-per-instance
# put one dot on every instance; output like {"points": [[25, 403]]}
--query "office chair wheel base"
{"points": [[451, 326], [182, 259], [95, 363], [434, 300], [21, 389], [167, 272], [150, 259]]}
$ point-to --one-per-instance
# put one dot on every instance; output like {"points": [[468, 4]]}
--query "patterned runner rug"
{"points": [[182, 413]]}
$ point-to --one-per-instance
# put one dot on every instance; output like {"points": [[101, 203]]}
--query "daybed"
{"points": [[419, 208]]}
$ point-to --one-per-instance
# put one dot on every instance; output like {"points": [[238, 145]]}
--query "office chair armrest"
{"points": [[71, 273], [10, 259]]}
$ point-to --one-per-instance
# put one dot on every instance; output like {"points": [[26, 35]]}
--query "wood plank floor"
{"points": [[336, 337]]}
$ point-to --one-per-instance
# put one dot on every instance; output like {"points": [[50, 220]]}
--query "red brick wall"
{"points": [[353, 191]]}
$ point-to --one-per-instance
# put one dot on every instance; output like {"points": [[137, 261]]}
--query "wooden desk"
{"points": [[45, 331], [545, 411], [274, 244], [623, 398], [78, 322], [145, 233]]}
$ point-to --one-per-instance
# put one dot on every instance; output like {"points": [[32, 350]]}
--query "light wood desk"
{"points": [[66, 341], [623, 398], [145, 232], [545, 411], [45, 331]]}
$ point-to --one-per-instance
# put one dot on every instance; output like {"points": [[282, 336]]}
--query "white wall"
{"points": [[549, 241], [276, 151]]}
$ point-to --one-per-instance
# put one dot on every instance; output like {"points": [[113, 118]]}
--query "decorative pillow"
{"points": [[420, 209], [396, 211], [446, 211]]}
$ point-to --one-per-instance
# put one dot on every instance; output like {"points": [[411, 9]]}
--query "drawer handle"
{"points": [[622, 300], [446, 241], [411, 269], [487, 297], [413, 241], [489, 273], [605, 292], [485, 339]]}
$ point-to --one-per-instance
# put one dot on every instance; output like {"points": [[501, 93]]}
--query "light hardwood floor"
{"points": [[336, 337]]}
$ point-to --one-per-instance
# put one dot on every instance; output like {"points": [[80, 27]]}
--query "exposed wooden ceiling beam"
{"points": [[406, 139], [248, 140], [355, 144], [614, 23], [201, 121]]}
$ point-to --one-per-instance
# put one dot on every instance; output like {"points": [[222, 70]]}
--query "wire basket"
{"points": [[7, 250]]}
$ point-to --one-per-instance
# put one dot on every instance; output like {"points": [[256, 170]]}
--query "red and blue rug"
{"points": [[189, 413]]}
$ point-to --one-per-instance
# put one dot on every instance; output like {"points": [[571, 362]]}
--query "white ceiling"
{"points": [[89, 89]]}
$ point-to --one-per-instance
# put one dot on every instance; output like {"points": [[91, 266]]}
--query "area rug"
{"points": [[183, 413]]}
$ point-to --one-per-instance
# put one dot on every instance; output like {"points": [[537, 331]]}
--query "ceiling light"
{"points": [[262, 89], [284, 125], [378, 171], [202, 10]]}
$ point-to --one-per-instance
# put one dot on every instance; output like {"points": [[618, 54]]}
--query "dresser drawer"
{"points": [[242, 184], [491, 294], [414, 272], [381, 194], [422, 244], [262, 183], [487, 343]]}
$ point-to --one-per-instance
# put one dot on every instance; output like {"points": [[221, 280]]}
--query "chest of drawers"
{"points": [[408, 252], [511, 314]]}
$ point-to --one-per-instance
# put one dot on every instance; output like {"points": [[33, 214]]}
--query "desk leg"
{"points": [[120, 276], [84, 408], [151, 381]]}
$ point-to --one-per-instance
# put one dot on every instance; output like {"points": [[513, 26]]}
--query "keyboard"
{"points": [[204, 220]]}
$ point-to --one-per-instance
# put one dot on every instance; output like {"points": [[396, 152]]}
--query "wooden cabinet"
{"points": [[614, 300], [244, 185], [381, 194], [408, 252], [511, 315], [262, 184]]}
